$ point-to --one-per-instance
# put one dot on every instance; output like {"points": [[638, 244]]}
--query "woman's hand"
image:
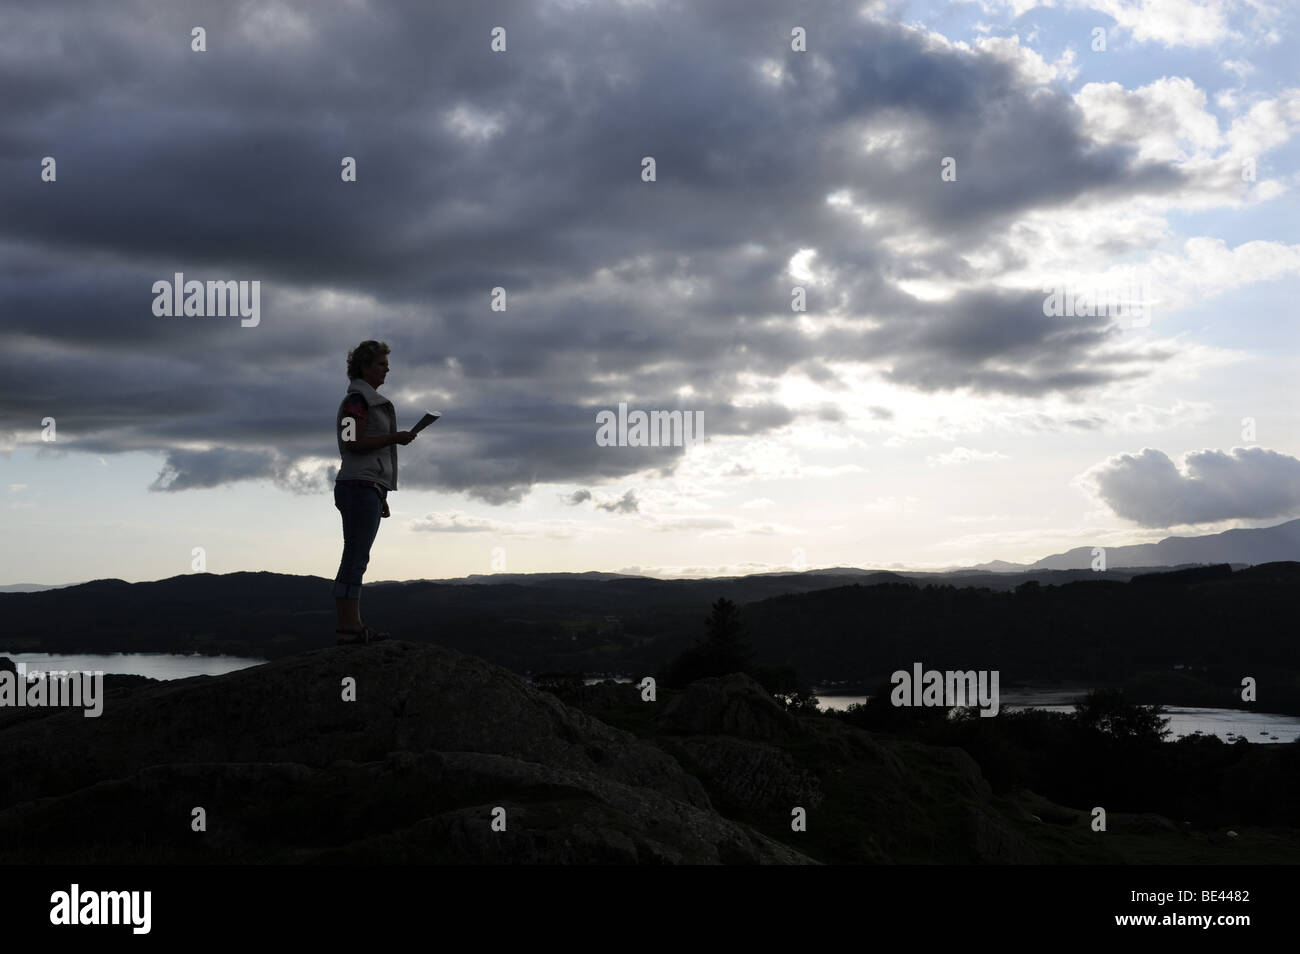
{"points": [[384, 512], [403, 437]]}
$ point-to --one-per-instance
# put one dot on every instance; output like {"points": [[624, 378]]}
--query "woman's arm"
{"points": [[357, 410], [363, 445]]}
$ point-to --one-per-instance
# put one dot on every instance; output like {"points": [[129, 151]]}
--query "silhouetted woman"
{"points": [[367, 473]]}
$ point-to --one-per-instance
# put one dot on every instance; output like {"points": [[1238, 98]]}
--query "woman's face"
{"points": [[377, 371]]}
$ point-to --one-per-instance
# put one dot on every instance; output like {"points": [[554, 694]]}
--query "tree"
{"points": [[724, 649], [726, 642], [1108, 711]]}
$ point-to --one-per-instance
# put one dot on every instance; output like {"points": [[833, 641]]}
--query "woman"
{"points": [[366, 426]]}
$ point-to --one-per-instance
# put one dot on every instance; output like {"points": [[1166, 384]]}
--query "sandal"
{"points": [[349, 637], [371, 636]]}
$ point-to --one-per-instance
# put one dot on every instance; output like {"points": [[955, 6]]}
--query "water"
{"points": [[838, 703], [1227, 724], [153, 665]]}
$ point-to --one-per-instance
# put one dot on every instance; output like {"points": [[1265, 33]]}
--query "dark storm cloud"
{"points": [[518, 170], [184, 469], [1247, 483]]}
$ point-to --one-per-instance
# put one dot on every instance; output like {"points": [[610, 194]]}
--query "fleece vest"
{"points": [[380, 464]]}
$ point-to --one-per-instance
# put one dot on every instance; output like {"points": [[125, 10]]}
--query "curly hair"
{"points": [[363, 355]]}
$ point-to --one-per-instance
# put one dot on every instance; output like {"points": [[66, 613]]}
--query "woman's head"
{"points": [[363, 358]]}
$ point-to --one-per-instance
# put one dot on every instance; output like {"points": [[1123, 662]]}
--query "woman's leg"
{"points": [[360, 508], [348, 615]]}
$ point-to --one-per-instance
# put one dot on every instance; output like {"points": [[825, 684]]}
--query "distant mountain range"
{"points": [[1261, 545], [1236, 547]]}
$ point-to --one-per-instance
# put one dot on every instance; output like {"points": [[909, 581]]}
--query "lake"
{"points": [[153, 665], [1227, 724]]}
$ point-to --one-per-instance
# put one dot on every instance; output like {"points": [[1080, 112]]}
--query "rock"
{"points": [[996, 843], [1146, 822], [405, 809], [732, 705], [288, 772], [412, 771], [409, 696], [753, 776], [608, 694]]}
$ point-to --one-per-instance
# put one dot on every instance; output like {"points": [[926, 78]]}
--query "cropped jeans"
{"points": [[361, 507]]}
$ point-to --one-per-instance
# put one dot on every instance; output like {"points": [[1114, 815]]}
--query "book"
{"points": [[429, 418]]}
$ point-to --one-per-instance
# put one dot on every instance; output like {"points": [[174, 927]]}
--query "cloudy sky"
{"points": [[923, 176]]}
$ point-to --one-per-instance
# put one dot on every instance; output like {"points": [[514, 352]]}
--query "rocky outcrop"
{"points": [[752, 776], [899, 801], [413, 753], [1144, 822], [732, 705], [608, 694], [431, 807], [285, 768], [995, 843]]}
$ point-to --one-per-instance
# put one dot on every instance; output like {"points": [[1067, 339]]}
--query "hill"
{"points": [[1055, 625], [1252, 546]]}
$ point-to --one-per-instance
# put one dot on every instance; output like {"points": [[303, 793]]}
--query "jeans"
{"points": [[361, 507]]}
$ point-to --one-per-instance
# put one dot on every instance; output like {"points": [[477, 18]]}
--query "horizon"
{"points": [[895, 568]]}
